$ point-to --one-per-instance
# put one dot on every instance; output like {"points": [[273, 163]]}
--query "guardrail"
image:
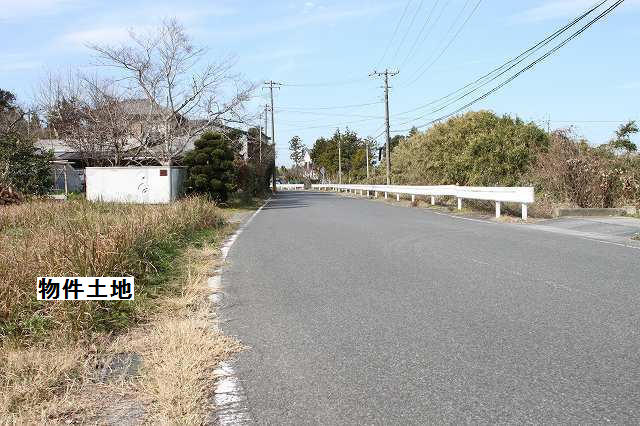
{"points": [[523, 195], [289, 186]]}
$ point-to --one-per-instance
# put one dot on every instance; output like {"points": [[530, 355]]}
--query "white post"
{"points": [[375, 193], [385, 195], [497, 209], [524, 212], [433, 200], [397, 197], [459, 203], [367, 192], [66, 189], [413, 198]]}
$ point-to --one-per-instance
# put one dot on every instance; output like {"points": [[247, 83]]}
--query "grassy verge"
{"points": [[151, 358]]}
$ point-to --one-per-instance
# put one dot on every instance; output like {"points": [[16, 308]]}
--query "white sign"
{"points": [[85, 288]]}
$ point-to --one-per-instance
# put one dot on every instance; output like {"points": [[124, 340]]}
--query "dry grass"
{"points": [[88, 239], [54, 374], [182, 349], [35, 381]]}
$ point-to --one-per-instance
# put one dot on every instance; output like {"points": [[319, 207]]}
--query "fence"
{"points": [[289, 186], [521, 195]]}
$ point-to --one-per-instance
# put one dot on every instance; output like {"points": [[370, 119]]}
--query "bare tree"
{"points": [[173, 94], [90, 115]]}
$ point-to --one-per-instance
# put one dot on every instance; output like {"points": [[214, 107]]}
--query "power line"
{"points": [[325, 113], [446, 47], [424, 25], [331, 107], [413, 18], [332, 125], [528, 67], [326, 84], [513, 62], [395, 31]]}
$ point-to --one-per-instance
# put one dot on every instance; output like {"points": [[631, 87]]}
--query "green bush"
{"points": [[477, 148], [210, 169], [23, 168]]}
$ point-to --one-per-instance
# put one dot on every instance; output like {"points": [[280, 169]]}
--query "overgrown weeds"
{"points": [[52, 353], [79, 238], [573, 172]]}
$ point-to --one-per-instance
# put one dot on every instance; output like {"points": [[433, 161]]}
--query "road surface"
{"points": [[361, 312]]}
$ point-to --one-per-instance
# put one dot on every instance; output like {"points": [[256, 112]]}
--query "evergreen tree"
{"points": [[210, 167]]}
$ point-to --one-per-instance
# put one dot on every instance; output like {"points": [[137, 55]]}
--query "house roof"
{"points": [[143, 107]]}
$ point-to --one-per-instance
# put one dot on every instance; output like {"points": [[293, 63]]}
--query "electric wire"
{"points": [[395, 31], [520, 72], [446, 47], [514, 61]]}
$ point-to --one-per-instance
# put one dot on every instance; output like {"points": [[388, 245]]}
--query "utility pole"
{"points": [[366, 147], [260, 145], [265, 132], [386, 75], [271, 84], [339, 161]]}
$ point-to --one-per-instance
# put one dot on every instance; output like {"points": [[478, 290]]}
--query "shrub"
{"points": [[210, 167], [573, 172], [477, 148], [23, 168]]}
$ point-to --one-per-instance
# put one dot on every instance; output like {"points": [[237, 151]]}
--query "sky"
{"points": [[323, 51]]}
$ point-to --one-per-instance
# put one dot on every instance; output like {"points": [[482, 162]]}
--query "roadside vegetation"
{"points": [[52, 352], [483, 149]]}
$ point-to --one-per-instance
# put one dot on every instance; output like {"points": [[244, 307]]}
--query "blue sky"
{"points": [[323, 50]]}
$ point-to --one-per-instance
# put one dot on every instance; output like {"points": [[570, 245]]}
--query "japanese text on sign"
{"points": [[85, 288]]}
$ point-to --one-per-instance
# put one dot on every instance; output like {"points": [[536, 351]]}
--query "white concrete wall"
{"points": [[134, 184]]}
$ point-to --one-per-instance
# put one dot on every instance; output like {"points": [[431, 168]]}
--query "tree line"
{"points": [[481, 148]]}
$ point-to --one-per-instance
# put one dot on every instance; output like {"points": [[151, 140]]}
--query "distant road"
{"points": [[359, 312]]}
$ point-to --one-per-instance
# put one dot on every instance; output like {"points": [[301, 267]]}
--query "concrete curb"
{"points": [[580, 212]]}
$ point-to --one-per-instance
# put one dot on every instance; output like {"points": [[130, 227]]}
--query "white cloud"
{"points": [[12, 63], [11, 10], [105, 35], [318, 15], [277, 55], [558, 9], [632, 85]]}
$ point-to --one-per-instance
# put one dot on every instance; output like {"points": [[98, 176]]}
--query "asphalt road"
{"points": [[360, 312]]}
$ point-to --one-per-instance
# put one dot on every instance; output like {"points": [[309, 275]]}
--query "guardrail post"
{"points": [[413, 198], [397, 197], [375, 193], [386, 195], [433, 200], [459, 203], [368, 193], [497, 209], [524, 212]]}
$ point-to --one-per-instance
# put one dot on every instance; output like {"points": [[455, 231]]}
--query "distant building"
{"points": [[73, 158]]}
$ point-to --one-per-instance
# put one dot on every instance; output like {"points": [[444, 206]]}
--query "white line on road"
{"points": [[230, 399]]}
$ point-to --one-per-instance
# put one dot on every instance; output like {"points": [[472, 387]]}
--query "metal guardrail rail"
{"points": [[523, 195], [289, 186]]}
